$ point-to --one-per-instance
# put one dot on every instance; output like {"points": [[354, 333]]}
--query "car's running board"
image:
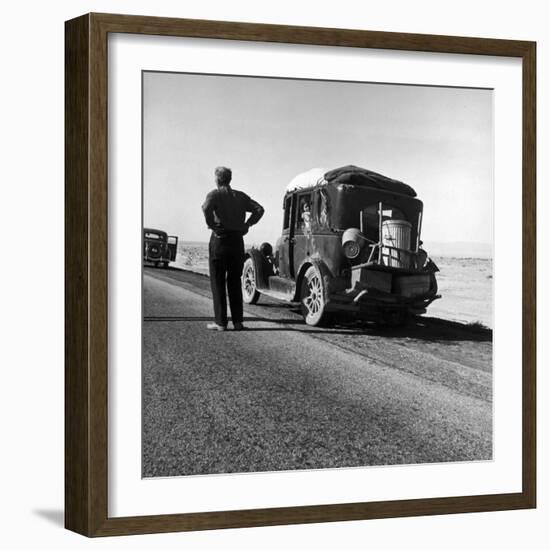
{"points": [[285, 297]]}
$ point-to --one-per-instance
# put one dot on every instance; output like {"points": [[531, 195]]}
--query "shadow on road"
{"points": [[435, 330], [288, 318], [423, 328]]}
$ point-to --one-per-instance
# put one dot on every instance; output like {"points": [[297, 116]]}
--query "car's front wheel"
{"points": [[312, 297], [248, 281]]}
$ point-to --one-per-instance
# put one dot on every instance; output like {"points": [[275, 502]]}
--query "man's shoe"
{"points": [[215, 326], [238, 326]]}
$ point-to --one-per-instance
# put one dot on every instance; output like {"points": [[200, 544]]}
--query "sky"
{"points": [[267, 130]]}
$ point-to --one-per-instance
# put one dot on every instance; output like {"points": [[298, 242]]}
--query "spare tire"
{"points": [[154, 251]]}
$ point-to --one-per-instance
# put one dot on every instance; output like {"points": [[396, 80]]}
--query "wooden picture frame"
{"points": [[86, 230]]}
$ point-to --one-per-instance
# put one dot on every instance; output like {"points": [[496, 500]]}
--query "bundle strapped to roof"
{"points": [[354, 175], [351, 175]]}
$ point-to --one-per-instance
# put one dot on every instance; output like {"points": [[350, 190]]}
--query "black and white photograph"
{"points": [[281, 275], [317, 280]]}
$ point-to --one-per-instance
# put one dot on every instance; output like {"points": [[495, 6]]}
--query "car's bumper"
{"points": [[374, 303]]}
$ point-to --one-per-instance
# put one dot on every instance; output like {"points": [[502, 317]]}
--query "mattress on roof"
{"points": [[355, 175]]}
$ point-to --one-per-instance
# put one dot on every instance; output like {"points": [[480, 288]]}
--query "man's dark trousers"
{"points": [[226, 259]]}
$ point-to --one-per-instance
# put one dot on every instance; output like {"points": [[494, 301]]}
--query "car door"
{"points": [[172, 247], [302, 247], [286, 247]]}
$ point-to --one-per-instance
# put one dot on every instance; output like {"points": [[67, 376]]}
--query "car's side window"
{"points": [[286, 219], [303, 218], [322, 208]]}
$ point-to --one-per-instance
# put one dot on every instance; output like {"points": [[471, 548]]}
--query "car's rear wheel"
{"points": [[248, 281], [312, 297]]}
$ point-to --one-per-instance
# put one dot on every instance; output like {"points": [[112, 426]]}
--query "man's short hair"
{"points": [[223, 175]]}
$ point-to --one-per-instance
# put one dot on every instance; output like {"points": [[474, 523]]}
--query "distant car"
{"points": [[350, 244], [158, 247]]}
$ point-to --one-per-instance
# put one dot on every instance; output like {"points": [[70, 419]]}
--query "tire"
{"points": [[248, 282], [154, 252], [312, 297]]}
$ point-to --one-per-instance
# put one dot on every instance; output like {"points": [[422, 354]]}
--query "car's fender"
{"points": [[261, 266], [327, 276]]}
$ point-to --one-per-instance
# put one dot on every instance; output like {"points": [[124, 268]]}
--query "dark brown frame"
{"points": [[86, 274]]}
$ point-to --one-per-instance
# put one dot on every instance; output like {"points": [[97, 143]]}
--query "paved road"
{"points": [[284, 396]]}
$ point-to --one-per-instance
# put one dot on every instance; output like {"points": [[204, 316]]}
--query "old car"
{"points": [[158, 247], [351, 244]]}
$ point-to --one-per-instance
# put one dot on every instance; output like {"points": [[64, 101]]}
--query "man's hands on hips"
{"points": [[220, 231]]}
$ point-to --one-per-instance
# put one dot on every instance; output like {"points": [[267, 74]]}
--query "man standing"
{"points": [[225, 214]]}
